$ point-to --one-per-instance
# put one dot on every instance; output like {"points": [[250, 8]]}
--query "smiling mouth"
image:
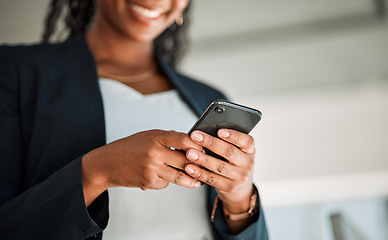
{"points": [[145, 12]]}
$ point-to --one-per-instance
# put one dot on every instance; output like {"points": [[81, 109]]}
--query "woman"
{"points": [[76, 120]]}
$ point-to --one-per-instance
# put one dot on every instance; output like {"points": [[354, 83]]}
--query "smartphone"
{"points": [[224, 114]]}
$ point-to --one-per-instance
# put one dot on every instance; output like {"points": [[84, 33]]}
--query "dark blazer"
{"points": [[51, 114]]}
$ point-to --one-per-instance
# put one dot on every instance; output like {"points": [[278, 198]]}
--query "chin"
{"points": [[143, 36]]}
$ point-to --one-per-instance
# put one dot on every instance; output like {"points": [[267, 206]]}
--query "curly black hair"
{"points": [[171, 45]]}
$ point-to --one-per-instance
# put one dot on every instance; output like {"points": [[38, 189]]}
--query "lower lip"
{"points": [[140, 17]]}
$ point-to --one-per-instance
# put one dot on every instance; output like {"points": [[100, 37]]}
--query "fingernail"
{"points": [[192, 155], [223, 133], [197, 185], [189, 170], [197, 136]]}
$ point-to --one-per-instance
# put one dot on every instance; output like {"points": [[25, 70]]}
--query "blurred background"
{"points": [[318, 70]]}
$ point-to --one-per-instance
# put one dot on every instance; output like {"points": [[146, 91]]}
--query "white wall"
{"points": [[320, 77], [21, 20], [318, 70]]}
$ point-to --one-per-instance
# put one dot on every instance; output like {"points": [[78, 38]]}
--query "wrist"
{"points": [[237, 205], [240, 219], [249, 214], [93, 178]]}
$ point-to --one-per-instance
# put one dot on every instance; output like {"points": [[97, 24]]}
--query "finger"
{"points": [[178, 177], [218, 146], [213, 164], [174, 158], [159, 184], [243, 141], [210, 178], [177, 140]]}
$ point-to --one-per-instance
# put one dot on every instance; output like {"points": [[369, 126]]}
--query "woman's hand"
{"points": [[144, 160], [231, 178]]}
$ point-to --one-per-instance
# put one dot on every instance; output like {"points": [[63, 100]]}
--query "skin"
{"points": [[232, 178], [121, 44]]}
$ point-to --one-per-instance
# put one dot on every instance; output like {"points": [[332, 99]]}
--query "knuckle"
{"points": [[161, 186], [242, 177], [204, 161], [178, 177], [199, 174], [211, 143], [250, 142], [183, 139], [231, 152], [211, 180], [192, 183], [229, 187], [151, 154], [237, 137], [149, 178], [152, 135], [222, 168], [147, 173]]}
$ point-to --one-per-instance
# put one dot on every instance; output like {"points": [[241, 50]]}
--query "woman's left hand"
{"points": [[231, 178]]}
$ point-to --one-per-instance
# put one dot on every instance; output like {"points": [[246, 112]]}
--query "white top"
{"points": [[171, 213]]}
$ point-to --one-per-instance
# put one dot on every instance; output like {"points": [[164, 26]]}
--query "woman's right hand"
{"points": [[142, 160]]}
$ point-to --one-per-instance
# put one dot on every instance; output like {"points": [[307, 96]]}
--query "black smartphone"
{"points": [[224, 114]]}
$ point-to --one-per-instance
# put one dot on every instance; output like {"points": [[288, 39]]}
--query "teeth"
{"points": [[148, 13]]}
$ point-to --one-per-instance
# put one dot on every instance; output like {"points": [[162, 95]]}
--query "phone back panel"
{"points": [[224, 114]]}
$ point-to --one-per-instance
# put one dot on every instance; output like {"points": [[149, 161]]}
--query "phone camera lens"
{"points": [[220, 109]]}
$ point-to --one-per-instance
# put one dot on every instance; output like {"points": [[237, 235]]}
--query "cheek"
{"points": [[176, 11], [110, 12], [180, 6], [183, 3]]}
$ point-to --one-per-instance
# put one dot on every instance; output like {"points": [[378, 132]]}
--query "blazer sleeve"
{"points": [[51, 209], [256, 231]]}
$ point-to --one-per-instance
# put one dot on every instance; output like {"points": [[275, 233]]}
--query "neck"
{"points": [[110, 47]]}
